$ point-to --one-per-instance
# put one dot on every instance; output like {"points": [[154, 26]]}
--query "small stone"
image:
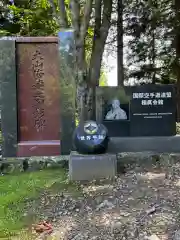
{"points": [[116, 227], [57, 235], [177, 235], [89, 209], [151, 210], [153, 237], [80, 236], [143, 236], [105, 203], [124, 214]]}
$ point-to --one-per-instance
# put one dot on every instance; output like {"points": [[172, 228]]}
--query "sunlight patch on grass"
{"points": [[15, 190]]}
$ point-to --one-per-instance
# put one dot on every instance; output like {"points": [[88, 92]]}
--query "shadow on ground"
{"points": [[138, 204]]}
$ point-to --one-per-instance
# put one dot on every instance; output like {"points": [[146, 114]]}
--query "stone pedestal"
{"points": [[90, 167], [164, 144]]}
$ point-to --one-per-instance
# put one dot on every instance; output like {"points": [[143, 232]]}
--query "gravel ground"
{"points": [[141, 204]]}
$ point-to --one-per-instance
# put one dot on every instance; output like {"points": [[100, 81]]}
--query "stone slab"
{"points": [[67, 89], [8, 100], [38, 98], [90, 167], [39, 148], [117, 128], [153, 110], [150, 110], [170, 144]]}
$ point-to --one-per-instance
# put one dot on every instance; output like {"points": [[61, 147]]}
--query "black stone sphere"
{"points": [[91, 138]]}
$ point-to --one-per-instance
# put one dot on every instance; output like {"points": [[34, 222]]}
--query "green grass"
{"points": [[16, 190], [0, 138]]}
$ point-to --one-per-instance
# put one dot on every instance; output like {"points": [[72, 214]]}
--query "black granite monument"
{"points": [[153, 111], [146, 110]]}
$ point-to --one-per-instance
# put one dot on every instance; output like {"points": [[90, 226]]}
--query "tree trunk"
{"points": [[153, 56], [177, 47], [81, 28], [120, 67], [87, 76], [89, 79], [101, 30]]}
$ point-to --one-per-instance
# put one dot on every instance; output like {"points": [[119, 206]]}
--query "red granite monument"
{"points": [[38, 96], [30, 96]]}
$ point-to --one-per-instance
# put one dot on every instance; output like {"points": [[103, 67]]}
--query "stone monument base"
{"points": [[170, 144], [90, 167]]}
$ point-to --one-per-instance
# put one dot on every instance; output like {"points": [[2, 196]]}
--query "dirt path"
{"points": [[140, 204]]}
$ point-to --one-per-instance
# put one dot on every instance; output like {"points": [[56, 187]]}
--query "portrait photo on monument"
{"points": [[113, 104], [115, 111], [116, 105]]}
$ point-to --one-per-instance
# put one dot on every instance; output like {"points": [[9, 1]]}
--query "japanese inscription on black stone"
{"points": [[38, 91], [153, 111], [152, 100]]}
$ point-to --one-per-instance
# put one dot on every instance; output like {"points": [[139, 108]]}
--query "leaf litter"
{"points": [[140, 204]]}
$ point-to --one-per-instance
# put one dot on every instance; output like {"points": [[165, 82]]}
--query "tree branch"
{"points": [[97, 19], [106, 20], [51, 2], [75, 13], [99, 42], [80, 41], [63, 13], [81, 29], [85, 21], [97, 26], [62, 18]]}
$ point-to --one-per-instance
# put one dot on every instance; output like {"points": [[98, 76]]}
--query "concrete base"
{"points": [[90, 167], [169, 144]]}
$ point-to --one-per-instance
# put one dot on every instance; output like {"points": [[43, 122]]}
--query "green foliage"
{"points": [[4, 33], [0, 138], [30, 18], [150, 25], [178, 128], [103, 81], [35, 18]]}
